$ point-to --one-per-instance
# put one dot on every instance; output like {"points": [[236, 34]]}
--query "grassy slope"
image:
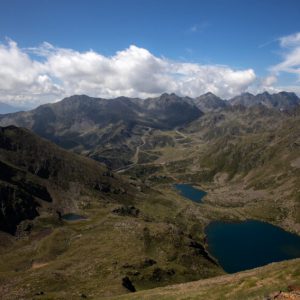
{"points": [[253, 284], [65, 260]]}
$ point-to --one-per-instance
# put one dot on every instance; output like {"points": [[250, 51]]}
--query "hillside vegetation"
{"points": [[275, 281], [131, 236], [136, 232]]}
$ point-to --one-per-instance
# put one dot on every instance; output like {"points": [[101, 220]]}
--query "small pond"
{"points": [[190, 192], [72, 217]]}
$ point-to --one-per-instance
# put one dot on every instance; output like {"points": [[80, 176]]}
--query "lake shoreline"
{"points": [[269, 244]]}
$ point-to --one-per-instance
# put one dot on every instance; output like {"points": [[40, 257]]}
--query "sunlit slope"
{"points": [[274, 281]]}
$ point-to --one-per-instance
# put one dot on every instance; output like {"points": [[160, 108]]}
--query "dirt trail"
{"points": [[36, 265], [136, 154], [181, 134]]}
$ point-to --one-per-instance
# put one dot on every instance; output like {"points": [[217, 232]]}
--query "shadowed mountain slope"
{"points": [[106, 130], [37, 176], [111, 131]]}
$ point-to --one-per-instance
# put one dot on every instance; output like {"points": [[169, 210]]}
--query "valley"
{"points": [[247, 166], [117, 172]]}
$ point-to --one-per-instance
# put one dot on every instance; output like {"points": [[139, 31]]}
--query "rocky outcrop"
{"points": [[126, 211], [200, 250]]}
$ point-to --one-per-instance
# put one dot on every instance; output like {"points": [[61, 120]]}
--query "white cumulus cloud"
{"points": [[23, 79], [47, 73], [290, 56], [290, 40]]}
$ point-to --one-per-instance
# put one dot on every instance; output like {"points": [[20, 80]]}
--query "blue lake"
{"points": [[250, 244], [73, 217], [188, 191]]}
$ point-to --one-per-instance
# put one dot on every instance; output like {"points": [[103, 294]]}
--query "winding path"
{"points": [[136, 154], [180, 133]]}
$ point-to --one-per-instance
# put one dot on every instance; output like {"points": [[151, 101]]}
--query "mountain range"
{"points": [[102, 128], [282, 100]]}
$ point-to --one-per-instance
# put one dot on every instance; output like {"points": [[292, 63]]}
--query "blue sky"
{"points": [[240, 34]]}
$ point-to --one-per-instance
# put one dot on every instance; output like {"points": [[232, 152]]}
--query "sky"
{"points": [[50, 49]]}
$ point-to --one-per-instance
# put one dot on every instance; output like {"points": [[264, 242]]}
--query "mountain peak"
{"points": [[209, 94], [167, 95], [209, 101], [264, 96], [76, 98], [247, 94], [282, 100]]}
